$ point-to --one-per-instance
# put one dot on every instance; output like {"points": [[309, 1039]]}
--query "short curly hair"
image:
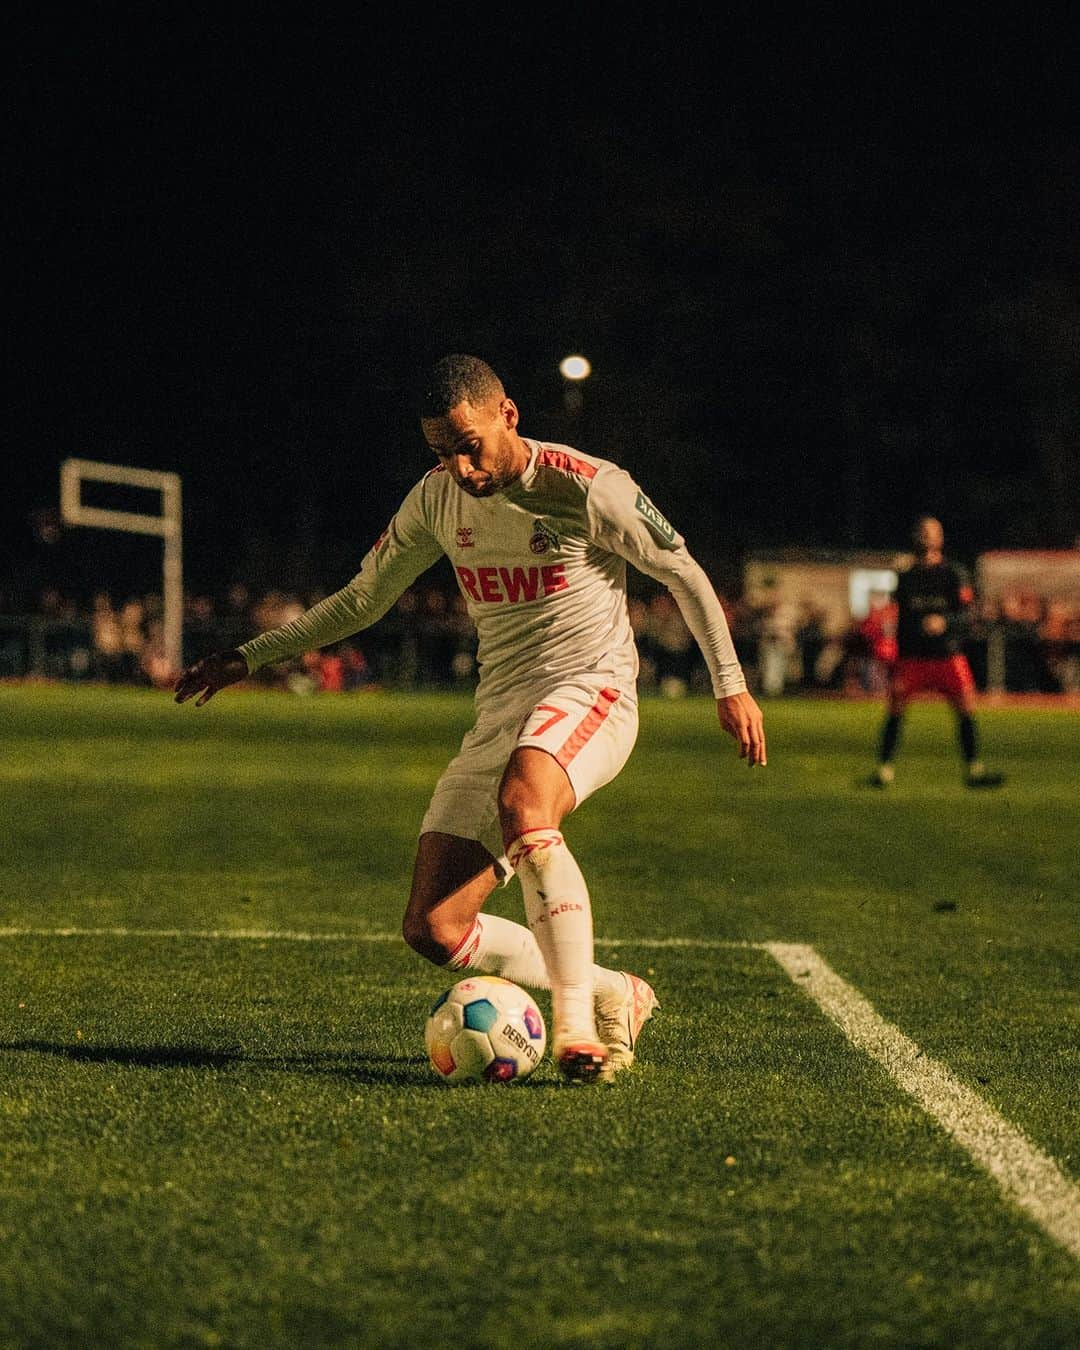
{"points": [[458, 378]]}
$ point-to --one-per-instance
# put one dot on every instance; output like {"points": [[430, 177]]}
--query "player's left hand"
{"points": [[741, 718]]}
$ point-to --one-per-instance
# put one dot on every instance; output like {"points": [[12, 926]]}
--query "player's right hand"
{"points": [[209, 675]]}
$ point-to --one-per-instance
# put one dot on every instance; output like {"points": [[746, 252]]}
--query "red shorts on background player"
{"points": [[949, 676]]}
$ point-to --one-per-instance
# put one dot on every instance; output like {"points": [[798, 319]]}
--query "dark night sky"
{"points": [[826, 279]]}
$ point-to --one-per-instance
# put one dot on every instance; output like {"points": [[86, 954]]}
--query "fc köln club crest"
{"points": [[543, 538], [465, 537]]}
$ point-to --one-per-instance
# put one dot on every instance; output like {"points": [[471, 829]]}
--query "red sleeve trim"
{"points": [[559, 459]]}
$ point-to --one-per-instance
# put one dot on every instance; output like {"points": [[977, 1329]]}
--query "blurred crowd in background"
{"points": [[428, 641]]}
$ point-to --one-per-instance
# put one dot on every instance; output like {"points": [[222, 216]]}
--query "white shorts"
{"points": [[586, 725]]}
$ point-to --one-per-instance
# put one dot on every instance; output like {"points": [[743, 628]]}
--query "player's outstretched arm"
{"points": [[741, 718], [209, 675]]}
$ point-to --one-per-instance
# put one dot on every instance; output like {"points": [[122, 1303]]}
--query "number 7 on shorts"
{"points": [[548, 717]]}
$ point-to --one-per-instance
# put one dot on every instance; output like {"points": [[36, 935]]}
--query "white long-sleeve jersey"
{"points": [[542, 568]]}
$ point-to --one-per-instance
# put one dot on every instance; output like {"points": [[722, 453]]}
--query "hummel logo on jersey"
{"points": [[465, 537], [665, 533], [543, 538], [494, 585]]}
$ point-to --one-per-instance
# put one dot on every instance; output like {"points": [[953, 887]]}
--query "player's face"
{"points": [[478, 445], [929, 536]]}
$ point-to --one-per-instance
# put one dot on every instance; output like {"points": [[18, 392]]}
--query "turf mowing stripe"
{"points": [[1028, 1176]]}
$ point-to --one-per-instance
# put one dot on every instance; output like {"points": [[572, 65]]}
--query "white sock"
{"points": [[501, 947], [560, 916], [498, 946]]}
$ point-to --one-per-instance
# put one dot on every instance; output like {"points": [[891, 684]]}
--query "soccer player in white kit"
{"points": [[539, 537]]}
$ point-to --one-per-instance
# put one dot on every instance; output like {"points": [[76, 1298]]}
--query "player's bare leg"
{"points": [[452, 877], [534, 796]]}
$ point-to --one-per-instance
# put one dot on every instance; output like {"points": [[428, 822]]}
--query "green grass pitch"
{"points": [[208, 1141]]}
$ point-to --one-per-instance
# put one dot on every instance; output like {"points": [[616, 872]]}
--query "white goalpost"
{"points": [[167, 525]]}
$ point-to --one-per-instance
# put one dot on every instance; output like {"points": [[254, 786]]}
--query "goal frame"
{"points": [[168, 526]]}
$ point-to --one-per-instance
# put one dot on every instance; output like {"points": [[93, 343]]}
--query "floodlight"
{"points": [[575, 368]]}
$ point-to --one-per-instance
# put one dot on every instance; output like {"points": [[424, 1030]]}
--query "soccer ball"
{"points": [[485, 1029]]}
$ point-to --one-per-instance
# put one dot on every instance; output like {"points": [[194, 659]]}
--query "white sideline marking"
{"points": [[1029, 1177], [285, 935], [207, 934]]}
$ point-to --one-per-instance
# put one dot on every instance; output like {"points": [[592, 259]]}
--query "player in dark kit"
{"points": [[933, 599]]}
